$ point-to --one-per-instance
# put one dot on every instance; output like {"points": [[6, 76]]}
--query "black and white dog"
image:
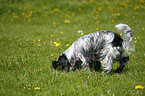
{"points": [[94, 50]]}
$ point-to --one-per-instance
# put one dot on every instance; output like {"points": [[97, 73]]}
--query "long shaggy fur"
{"points": [[94, 50]]}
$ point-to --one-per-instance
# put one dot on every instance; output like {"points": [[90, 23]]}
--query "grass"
{"points": [[35, 32]]}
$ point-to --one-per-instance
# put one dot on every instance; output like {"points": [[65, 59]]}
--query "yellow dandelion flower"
{"points": [[52, 54], [99, 8], [137, 37], [29, 19], [96, 18], [72, 14], [142, 28], [77, 19], [135, 41], [61, 32], [139, 87], [36, 70], [97, 28], [57, 39], [101, 62], [39, 45], [67, 44], [75, 41], [37, 88], [113, 21], [82, 33], [47, 12], [98, 21], [50, 41], [54, 23], [118, 14], [67, 21], [27, 16], [56, 44], [33, 36], [12, 19], [120, 34], [34, 40], [51, 35], [38, 39], [133, 17], [27, 39]]}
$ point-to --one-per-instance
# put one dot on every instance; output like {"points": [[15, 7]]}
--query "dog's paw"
{"points": [[118, 71]]}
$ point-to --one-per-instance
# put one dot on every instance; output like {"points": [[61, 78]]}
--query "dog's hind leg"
{"points": [[123, 62]]}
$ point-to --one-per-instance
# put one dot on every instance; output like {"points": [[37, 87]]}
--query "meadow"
{"points": [[35, 32]]}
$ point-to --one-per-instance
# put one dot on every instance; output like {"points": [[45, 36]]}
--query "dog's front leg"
{"points": [[107, 64], [123, 62]]}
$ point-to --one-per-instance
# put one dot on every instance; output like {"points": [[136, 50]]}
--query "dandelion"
{"points": [[142, 28], [27, 39], [82, 33], [137, 37], [67, 21], [135, 41], [120, 34], [113, 21], [33, 36], [12, 19], [99, 8], [77, 19], [37, 88], [39, 45], [36, 70], [67, 44], [50, 41], [29, 19], [139, 87], [34, 40], [38, 39], [98, 21], [133, 17], [52, 55], [61, 32], [56, 44], [87, 22], [54, 23], [97, 28], [118, 14], [51, 35]]}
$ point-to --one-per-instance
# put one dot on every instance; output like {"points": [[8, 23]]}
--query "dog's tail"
{"points": [[127, 34]]}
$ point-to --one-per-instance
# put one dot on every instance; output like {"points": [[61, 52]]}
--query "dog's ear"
{"points": [[54, 64]]}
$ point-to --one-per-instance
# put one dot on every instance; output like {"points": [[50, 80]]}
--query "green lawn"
{"points": [[35, 32]]}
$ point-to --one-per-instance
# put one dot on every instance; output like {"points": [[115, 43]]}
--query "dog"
{"points": [[102, 48]]}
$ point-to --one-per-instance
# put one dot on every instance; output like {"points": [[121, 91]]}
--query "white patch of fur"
{"points": [[128, 43]]}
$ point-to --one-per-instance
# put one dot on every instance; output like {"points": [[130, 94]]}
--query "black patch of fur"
{"points": [[62, 63], [123, 63], [78, 65], [117, 41], [95, 65]]}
